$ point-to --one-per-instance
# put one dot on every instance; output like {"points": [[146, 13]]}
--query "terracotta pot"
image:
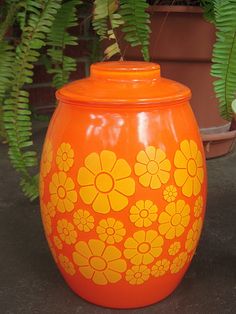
{"points": [[123, 184], [181, 42]]}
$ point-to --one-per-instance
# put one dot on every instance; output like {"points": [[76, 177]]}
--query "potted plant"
{"points": [[181, 41]]}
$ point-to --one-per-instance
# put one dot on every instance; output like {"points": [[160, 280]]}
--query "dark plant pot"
{"points": [[181, 42]]}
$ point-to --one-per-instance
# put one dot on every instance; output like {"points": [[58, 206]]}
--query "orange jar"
{"points": [[123, 184]]}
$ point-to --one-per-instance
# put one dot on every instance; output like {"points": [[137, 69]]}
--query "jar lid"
{"points": [[124, 82]]}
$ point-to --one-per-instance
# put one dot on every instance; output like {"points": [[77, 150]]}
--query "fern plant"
{"points": [[224, 55], [16, 111], [58, 39]]}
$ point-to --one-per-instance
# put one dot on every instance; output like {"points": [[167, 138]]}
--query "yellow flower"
{"points": [[189, 173], [51, 209], [178, 262], [63, 195], [174, 248], [160, 268], [57, 242], [152, 167], [46, 218], [170, 193], [174, 219], [193, 235], [83, 220], [52, 249], [65, 157], [137, 275], [102, 264], [198, 206], [66, 264], [105, 182], [66, 231], [143, 247], [110, 230], [143, 213], [46, 160]]}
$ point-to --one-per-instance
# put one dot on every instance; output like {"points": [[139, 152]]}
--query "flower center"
{"points": [[104, 182], [83, 221], [110, 231], [98, 263], [192, 167], [65, 231], [64, 156], [61, 192], [152, 167], [144, 247], [137, 275], [143, 213], [176, 219]]}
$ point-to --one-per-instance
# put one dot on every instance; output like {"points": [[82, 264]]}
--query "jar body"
{"points": [[123, 193]]}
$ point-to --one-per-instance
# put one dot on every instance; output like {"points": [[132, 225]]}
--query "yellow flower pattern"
{"points": [[65, 157], [189, 173], [143, 213], [152, 167], [193, 235], [110, 230], [170, 193], [62, 190], [98, 262], [46, 160], [174, 219], [149, 236], [66, 264], [143, 247], [66, 231], [137, 275], [105, 182], [57, 242], [198, 206], [160, 268], [83, 220], [178, 263], [174, 248]]}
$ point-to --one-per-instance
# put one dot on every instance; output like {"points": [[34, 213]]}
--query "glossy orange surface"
{"points": [[123, 184]]}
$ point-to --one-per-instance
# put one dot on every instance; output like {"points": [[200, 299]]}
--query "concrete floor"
{"points": [[31, 284]]}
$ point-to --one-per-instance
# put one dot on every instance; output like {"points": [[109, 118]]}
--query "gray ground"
{"points": [[31, 284]]}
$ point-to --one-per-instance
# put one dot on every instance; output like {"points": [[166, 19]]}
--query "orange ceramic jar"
{"points": [[123, 184]]}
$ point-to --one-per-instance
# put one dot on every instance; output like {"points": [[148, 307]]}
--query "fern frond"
{"points": [[105, 21], [17, 114], [6, 75], [136, 22], [224, 56], [58, 39]]}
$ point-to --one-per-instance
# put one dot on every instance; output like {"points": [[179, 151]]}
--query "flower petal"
{"points": [[125, 186], [88, 194], [200, 174], [101, 204], [180, 160], [180, 176], [155, 182], [87, 271], [111, 253], [85, 177], [160, 156], [117, 200], [108, 159], [185, 148], [99, 278], [151, 152], [187, 188], [82, 248], [62, 178], [193, 149], [196, 186], [97, 247], [145, 179], [112, 276], [142, 157], [80, 260], [92, 162], [121, 169]]}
